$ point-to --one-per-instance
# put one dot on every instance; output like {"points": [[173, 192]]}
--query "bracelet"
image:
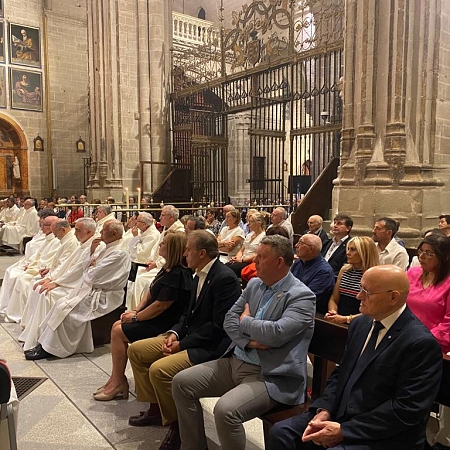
{"points": [[349, 318]]}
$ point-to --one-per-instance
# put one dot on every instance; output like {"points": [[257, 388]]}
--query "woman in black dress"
{"points": [[163, 306]]}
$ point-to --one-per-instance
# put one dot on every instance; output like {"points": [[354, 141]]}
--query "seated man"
{"points": [[389, 250], [279, 218], [334, 250], [144, 237], [312, 269], [17, 307], [58, 283], [198, 336], [380, 395], [315, 227], [67, 328], [26, 225], [30, 268], [270, 326]]}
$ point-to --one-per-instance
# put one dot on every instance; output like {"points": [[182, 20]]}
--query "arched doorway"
{"points": [[13, 158]]}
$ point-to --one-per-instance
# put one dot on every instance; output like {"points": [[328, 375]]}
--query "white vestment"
{"points": [[68, 244], [66, 329], [40, 260], [39, 305], [101, 222], [141, 246], [16, 269], [26, 225], [144, 277]]}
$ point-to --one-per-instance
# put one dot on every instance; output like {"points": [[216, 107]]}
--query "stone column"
{"points": [[392, 103], [104, 98]]}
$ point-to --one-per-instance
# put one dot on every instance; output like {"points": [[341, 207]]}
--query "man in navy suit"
{"points": [[380, 396], [198, 336]]}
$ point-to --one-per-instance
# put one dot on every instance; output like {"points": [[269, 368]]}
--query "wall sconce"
{"points": [[285, 166], [38, 144], [81, 145]]}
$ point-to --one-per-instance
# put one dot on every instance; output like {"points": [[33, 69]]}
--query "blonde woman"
{"points": [[231, 237], [247, 253], [164, 304], [343, 305]]}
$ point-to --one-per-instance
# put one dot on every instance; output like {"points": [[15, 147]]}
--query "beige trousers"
{"points": [[153, 374]]}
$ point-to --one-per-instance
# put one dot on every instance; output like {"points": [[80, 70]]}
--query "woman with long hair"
{"points": [[163, 306], [343, 305]]}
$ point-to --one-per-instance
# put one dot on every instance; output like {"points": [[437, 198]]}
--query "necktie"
{"points": [[362, 362]]}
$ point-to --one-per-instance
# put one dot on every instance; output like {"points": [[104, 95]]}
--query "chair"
{"points": [[6, 409]]}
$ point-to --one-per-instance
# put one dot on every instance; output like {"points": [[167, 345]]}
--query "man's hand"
{"points": [[95, 244], [134, 231], [44, 272], [245, 313], [255, 344], [48, 287], [170, 345], [322, 431], [40, 283], [150, 265]]}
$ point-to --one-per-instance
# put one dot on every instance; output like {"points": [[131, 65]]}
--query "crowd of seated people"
{"points": [[188, 311]]}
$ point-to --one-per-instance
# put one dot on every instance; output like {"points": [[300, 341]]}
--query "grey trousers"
{"points": [[243, 396]]}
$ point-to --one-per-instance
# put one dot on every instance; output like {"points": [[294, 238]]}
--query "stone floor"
{"points": [[61, 413]]}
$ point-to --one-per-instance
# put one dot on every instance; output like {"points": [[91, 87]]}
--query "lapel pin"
{"points": [[279, 295]]}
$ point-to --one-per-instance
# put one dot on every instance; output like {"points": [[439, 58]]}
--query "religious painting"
{"points": [[2, 41], [26, 90], [24, 45], [3, 93]]}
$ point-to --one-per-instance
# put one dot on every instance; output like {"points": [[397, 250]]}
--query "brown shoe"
{"points": [[172, 441], [145, 419]]}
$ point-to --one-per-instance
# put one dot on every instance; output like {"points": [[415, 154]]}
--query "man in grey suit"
{"points": [[270, 326]]}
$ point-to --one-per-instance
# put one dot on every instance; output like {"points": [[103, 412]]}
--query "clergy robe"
{"points": [[26, 225], [67, 329]]}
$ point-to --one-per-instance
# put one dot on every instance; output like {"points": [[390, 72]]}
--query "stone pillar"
{"points": [[393, 98], [154, 103], [105, 98]]}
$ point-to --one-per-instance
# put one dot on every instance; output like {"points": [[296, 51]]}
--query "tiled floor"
{"points": [[61, 413]]}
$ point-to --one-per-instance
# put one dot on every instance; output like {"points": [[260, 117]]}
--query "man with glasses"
{"points": [[279, 219], [315, 227], [145, 237], [380, 395], [389, 250], [312, 269]]}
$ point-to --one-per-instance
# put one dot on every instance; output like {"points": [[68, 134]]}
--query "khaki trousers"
{"points": [[153, 374]]}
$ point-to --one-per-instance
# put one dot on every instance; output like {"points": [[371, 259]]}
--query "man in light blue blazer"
{"points": [[270, 326]]}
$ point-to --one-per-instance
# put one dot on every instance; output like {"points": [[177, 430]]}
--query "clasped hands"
{"points": [[322, 431], [170, 345], [334, 317]]}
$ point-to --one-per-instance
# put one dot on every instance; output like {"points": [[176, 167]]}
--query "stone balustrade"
{"points": [[191, 30]]}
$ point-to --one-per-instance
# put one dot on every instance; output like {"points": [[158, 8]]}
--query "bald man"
{"points": [[315, 226], [312, 269], [380, 395]]}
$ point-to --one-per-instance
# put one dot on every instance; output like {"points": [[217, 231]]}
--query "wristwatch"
{"points": [[134, 318]]}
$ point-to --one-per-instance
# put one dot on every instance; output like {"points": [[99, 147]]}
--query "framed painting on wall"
{"points": [[3, 93], [26, 90], [24, 45]]}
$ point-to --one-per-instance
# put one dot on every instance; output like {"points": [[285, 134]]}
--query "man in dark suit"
{"points": [[380, 396], [198, 336], [334, 251], [315, 227]]}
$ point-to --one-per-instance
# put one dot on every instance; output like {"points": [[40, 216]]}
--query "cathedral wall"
{"points": [[64, 73]]}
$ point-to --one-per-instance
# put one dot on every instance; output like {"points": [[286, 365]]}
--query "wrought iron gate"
{"points": [[280, 61]]}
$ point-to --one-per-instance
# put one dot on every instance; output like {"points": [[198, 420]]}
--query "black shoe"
{"points": [[440, 447], [172, 441], [145, 419], [37, 353]]}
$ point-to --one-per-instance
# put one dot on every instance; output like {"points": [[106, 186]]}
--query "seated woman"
{"points": [[211, 222], [163, 306], [429, 300], [231, 237], [361, 255], [247, 253]]}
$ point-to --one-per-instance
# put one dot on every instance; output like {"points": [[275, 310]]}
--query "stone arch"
{"points": [[13, 150]]}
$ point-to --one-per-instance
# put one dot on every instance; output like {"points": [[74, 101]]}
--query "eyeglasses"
{"points": [[367, 294], [426, 254], [304, 243]]}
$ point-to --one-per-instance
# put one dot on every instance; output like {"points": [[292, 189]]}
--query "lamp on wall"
{"points": [[81, 145], [38, 144]]}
